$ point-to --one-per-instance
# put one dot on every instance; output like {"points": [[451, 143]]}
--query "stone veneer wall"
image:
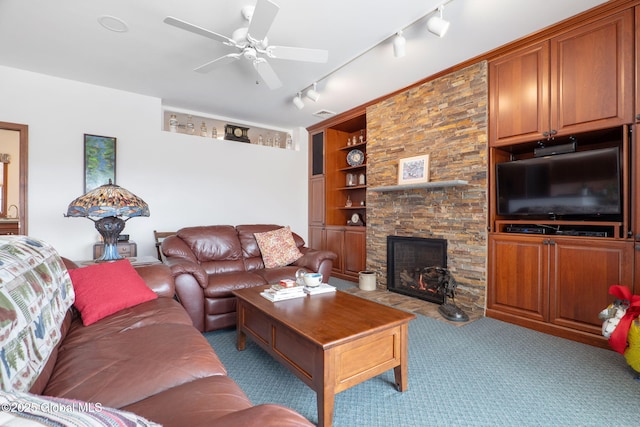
{"points": [[447, 119]]}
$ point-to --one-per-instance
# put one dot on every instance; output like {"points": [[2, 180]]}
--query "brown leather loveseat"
{"points": [[209, 262], [147, 359]]}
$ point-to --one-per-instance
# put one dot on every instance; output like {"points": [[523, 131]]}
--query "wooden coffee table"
{"points": [[329, 341]]}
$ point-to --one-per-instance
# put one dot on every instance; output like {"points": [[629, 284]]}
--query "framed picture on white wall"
{"points": [[99, 161]]}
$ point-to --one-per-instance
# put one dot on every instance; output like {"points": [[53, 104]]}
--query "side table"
{"points": [[135, 261], [125, 249]]}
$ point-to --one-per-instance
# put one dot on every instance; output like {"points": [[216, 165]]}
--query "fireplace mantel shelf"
{"points": [[436, 184]]}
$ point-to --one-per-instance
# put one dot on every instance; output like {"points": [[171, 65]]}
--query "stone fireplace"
{"points": [[446, 118], [407, 260]]}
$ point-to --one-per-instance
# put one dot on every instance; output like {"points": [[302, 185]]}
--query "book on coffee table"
{"points": [[323, 288], [279, 293]]}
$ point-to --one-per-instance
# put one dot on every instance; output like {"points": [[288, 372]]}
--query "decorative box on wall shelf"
{"points": [[125, 249]]}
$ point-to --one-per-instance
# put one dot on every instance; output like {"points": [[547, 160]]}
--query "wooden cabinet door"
{"points": [[316, 201], [518, 276], [354, 250], [580, 276], [334, 241], [316, 238], [637, 61], [519, 96], [592, 76]]}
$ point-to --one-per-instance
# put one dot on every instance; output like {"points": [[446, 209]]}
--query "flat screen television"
{"points": [[574, 185]]}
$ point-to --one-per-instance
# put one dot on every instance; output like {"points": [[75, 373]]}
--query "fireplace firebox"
{"points": [[407, 260]]}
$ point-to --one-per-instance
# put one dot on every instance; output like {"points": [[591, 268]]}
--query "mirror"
{"points": [[13, 206]]}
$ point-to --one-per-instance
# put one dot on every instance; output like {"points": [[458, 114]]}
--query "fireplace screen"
{"points": [[407, 261]]}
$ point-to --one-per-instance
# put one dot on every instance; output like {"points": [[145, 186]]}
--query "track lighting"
{"points": [[437, 25], [297, 101], [313, 94], [399, 43]]}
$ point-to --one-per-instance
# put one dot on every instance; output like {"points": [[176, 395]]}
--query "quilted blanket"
{"points": [[35, 294]]}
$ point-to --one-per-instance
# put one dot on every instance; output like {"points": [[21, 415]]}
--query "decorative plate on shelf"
{"points": [[355, 158]]}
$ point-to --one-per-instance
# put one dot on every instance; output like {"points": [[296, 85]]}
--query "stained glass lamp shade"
{"points": [[105, 206]]}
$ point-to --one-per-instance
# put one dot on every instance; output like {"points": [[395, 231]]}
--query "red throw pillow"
{"points": [[107, 288]]}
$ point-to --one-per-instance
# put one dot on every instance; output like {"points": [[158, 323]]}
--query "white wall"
{"points": [[186, 180]]}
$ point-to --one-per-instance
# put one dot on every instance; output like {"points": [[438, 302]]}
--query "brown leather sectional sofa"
{"points": [[150, 360], [209, 262]]}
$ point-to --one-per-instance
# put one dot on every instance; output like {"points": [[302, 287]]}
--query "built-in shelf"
{"points": [[437, 184], [215, 128]]}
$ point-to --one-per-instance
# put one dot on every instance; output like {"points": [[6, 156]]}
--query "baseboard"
{"points": [[551, 329]]}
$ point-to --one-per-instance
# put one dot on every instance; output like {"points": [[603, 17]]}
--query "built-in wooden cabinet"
{"points": [[577, 81], [349, 243], [555, 284], [316, 191], [338, 190], [553, 273], [571, 88]]}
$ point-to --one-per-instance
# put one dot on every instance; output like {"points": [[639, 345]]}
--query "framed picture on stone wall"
{"points": [[413, 170]]}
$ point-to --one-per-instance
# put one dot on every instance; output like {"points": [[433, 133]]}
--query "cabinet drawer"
{"points": [[125, 249], [9, 228]]}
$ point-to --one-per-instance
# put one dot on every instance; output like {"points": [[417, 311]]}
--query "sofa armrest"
{"points": [[159, 278], [265, 415], [181, 266], [317, 260]]}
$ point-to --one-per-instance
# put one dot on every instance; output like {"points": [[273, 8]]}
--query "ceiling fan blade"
{"points": [[298, 53], [266, 73], [198, 30], [223, 60], [263, 15]]}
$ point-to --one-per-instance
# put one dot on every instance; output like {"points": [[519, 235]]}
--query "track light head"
{"points": [[297, 101], [399, 43], [437, 25], [313, 94]]}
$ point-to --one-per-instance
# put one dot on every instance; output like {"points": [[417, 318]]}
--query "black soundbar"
{"points": [[555, 149]]}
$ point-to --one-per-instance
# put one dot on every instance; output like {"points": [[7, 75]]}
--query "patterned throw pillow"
{"points": [[277, 247], [35, 294], [30, 410]]}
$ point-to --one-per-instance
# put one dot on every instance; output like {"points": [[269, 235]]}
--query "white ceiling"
{"points": [[63, 38]]}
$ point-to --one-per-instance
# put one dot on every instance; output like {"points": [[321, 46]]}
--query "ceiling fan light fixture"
{"points": [[250, 53], [252, 43], [399, 43], [437, 25], [313, 94], [298, 102]]}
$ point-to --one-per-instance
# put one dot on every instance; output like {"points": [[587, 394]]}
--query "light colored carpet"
{"points": [[487, 373]]}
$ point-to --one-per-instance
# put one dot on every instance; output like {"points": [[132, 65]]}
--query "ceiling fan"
{"points": [[252, 43]]}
